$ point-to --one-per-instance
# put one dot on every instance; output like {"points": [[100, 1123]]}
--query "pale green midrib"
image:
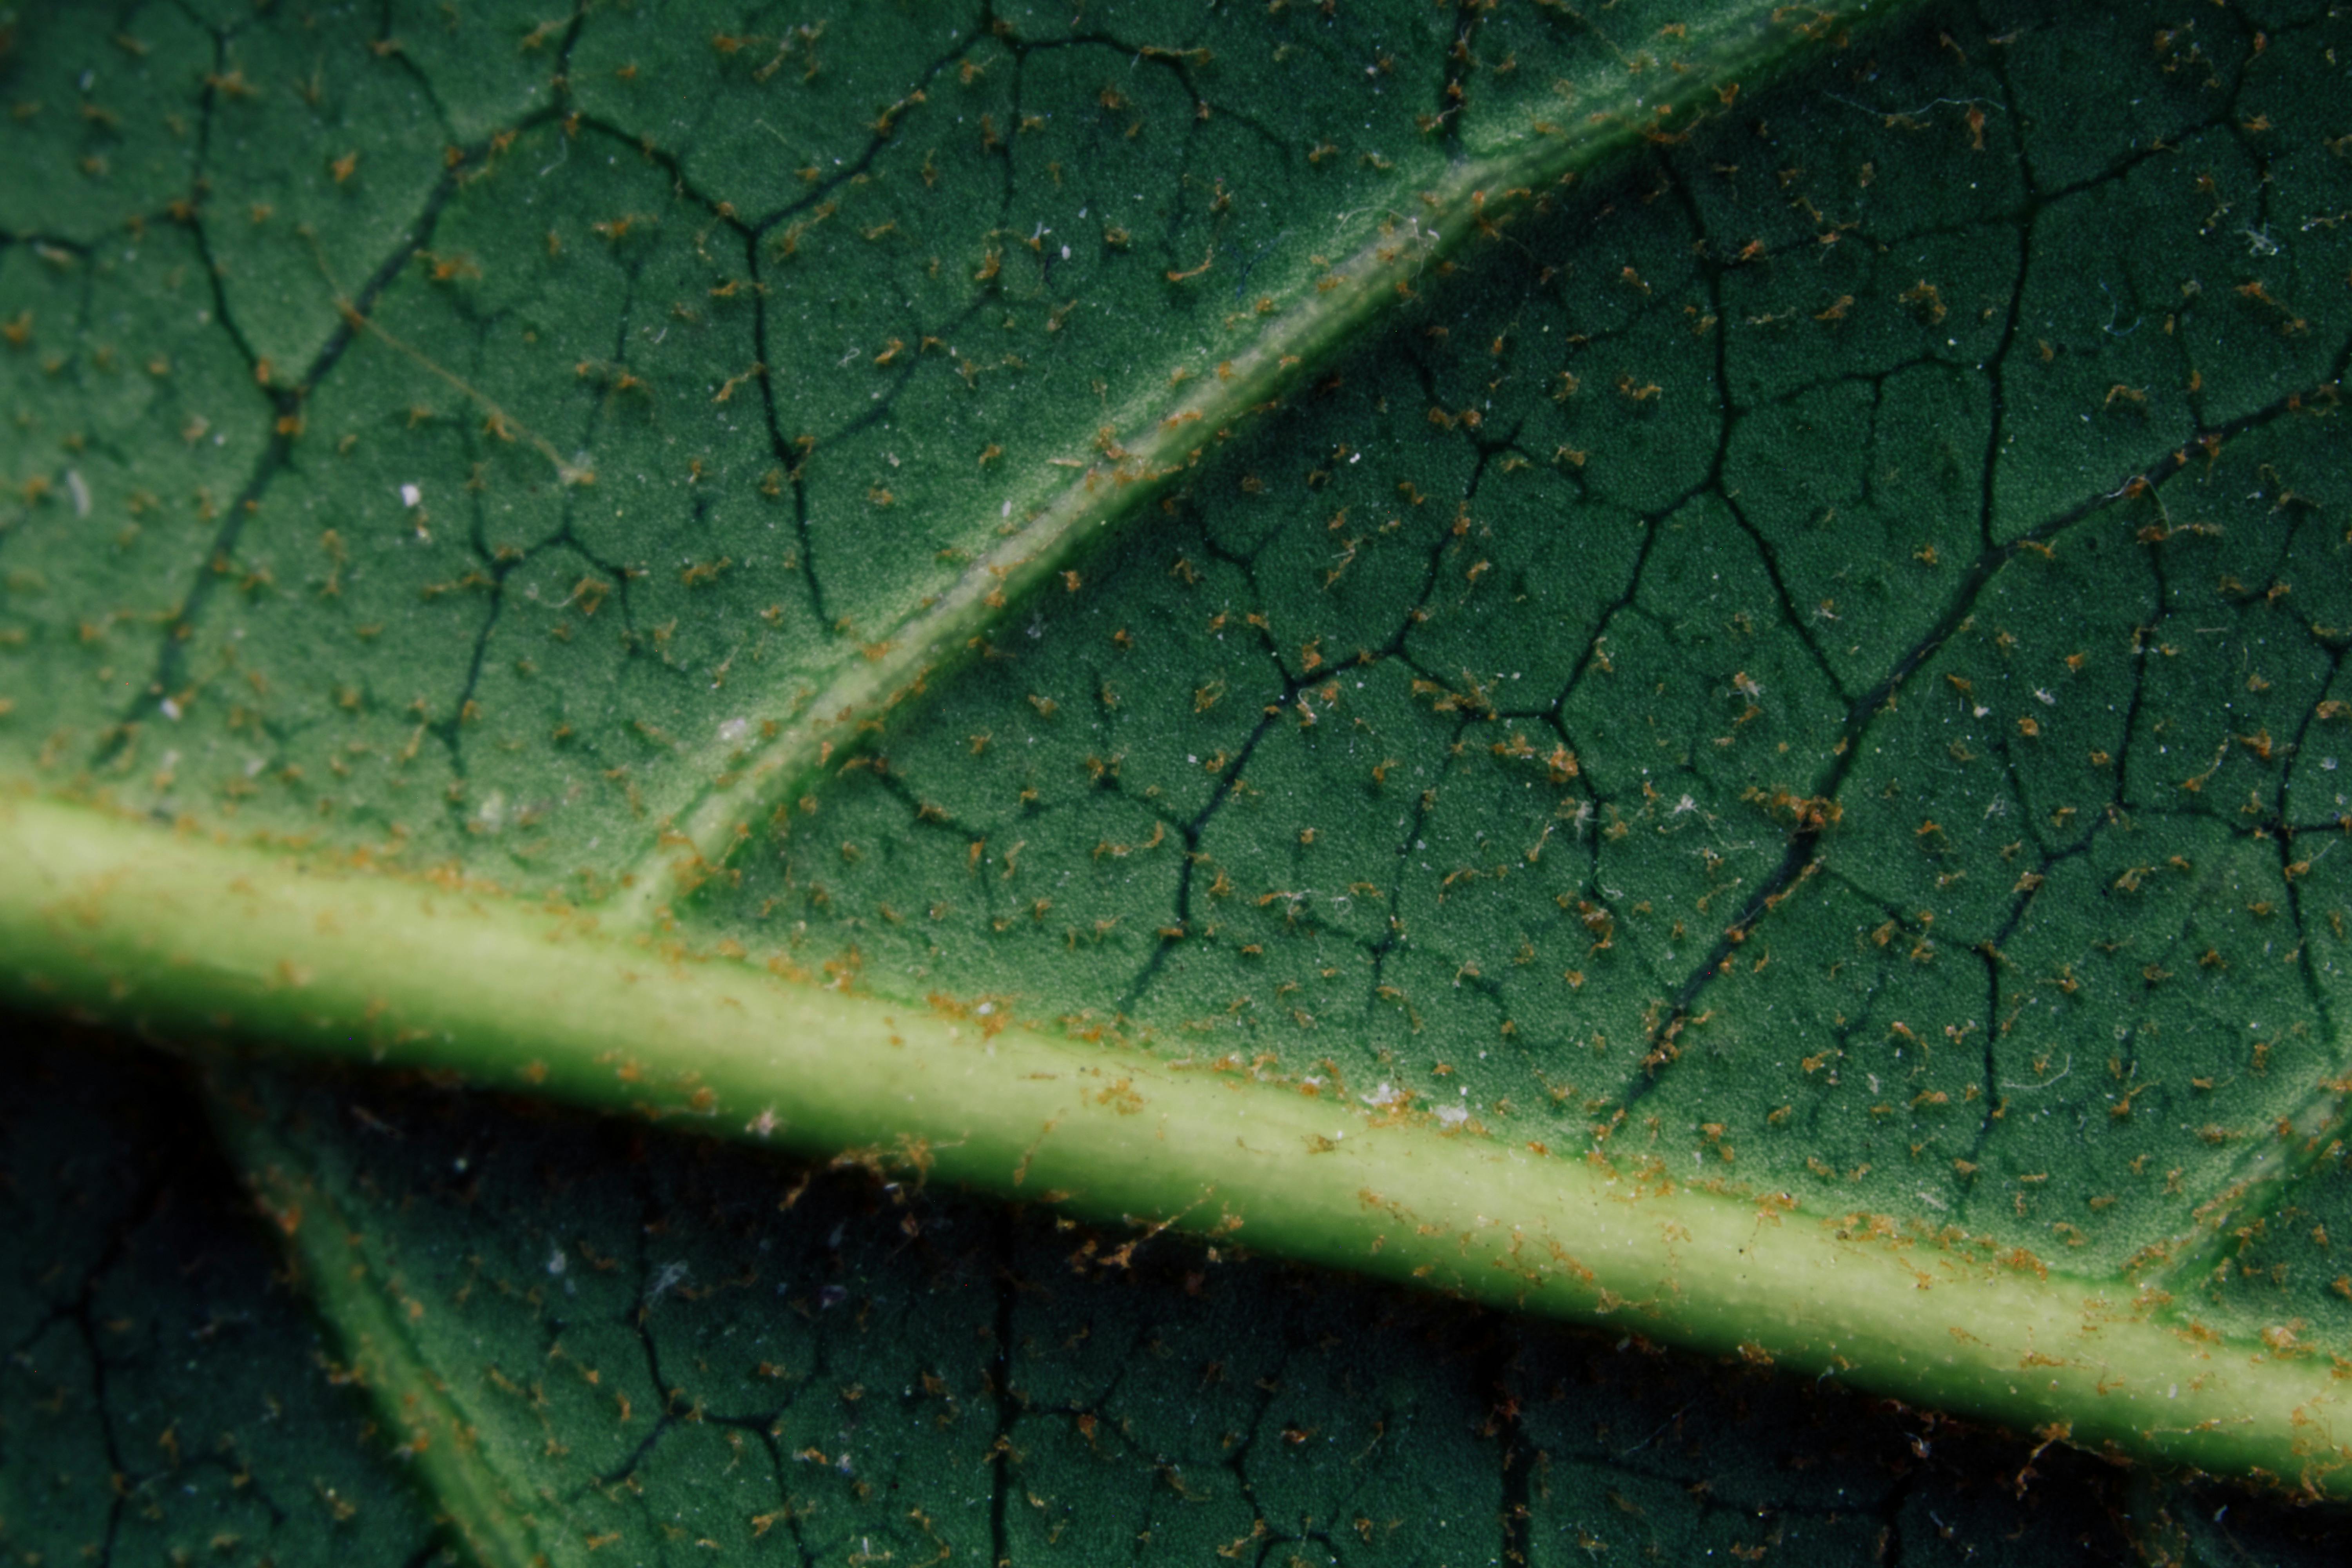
{"points": [[178, 931], [1160, 434], [416, 1401]]}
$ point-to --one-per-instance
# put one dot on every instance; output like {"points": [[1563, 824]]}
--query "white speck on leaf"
{"points": [[668, 1275]]}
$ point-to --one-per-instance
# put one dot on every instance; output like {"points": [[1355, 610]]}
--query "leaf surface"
{"points": [[1508, 574], [672, 1364]]}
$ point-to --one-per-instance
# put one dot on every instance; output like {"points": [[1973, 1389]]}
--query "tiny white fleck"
{"points": [[80, 489], [410, 495], [734, 729], [171, 707], [666, 1276]]}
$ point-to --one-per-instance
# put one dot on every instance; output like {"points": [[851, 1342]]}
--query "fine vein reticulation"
{"points": [[1781, 708], [1375, 1188], [1139, 449]]}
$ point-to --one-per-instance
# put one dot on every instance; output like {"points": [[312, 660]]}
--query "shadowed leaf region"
{"points": [[162, 1397], [675, 1351]]}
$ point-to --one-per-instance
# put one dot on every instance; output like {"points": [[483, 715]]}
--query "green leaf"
{"points": [[162, 1400], [867, 1366], [653, 1347], [1686, 669]]}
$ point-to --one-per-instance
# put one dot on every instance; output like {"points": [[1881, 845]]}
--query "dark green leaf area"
{"points": [[2097, 819], [1720, 690], [152, 413], [683, 1352], [162, 1398], [470, 433], [91, 103]]}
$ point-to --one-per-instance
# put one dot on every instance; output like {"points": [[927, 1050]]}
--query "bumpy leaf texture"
{"points": [[666, 1364], [1808, 653]]}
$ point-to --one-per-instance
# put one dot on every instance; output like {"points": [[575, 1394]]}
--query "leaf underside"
{"points": [[1807, 656], [711, 1366]]}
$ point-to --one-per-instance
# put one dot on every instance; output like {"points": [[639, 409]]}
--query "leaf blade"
{"points": [[1314, 1176]]}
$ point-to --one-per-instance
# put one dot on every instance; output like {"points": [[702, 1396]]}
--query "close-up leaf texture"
{"points": [[1729, 618]]}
